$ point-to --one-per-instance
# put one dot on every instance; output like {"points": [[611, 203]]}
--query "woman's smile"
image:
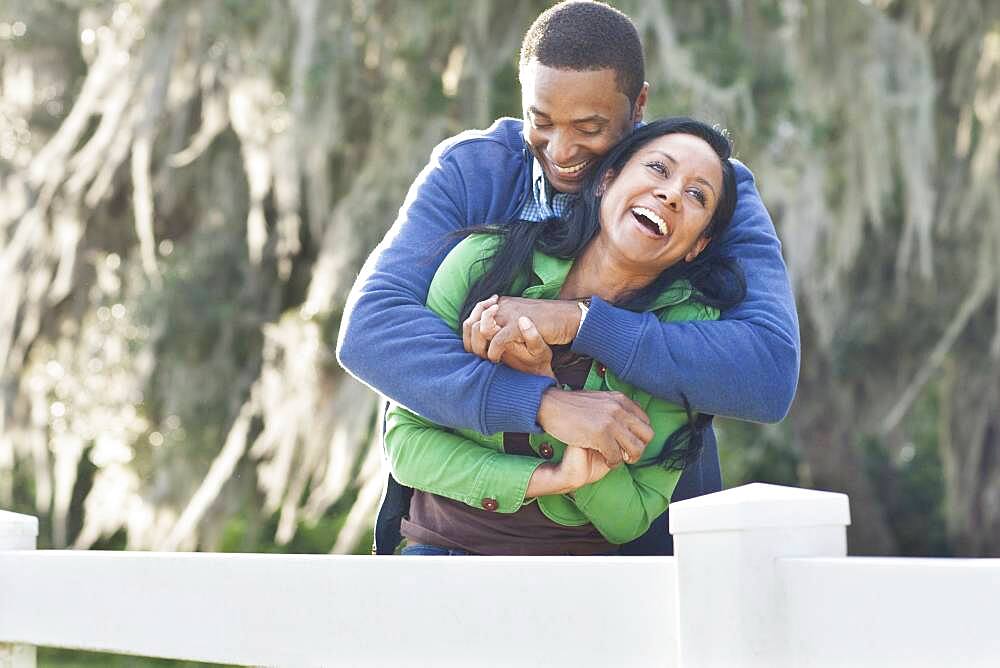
{"points": [[650, 221]]}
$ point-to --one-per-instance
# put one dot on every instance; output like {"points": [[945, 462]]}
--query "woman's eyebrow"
{"points": [[698, 179], [670, 158], [705, 183]]}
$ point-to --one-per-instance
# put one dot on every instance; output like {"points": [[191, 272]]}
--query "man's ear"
{"points": [[639, 108], [698, 247]]}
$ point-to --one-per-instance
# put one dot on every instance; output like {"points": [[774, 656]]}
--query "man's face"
{"points": [[572, 118]]}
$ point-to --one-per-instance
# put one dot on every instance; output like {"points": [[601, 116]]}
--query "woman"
{"points": [[639, 236]]}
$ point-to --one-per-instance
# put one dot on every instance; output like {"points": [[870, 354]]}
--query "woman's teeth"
{"points": [[650, 216]]}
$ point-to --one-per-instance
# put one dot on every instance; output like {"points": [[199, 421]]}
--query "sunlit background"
{"points": [[188, 188]]}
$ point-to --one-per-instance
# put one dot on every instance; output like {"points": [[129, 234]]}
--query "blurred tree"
{"points": [[188, 189], [885, 193]]}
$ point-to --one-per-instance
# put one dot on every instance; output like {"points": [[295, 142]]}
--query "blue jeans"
{"points": [[422, 550]]}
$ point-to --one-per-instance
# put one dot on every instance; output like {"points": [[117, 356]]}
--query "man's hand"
{"points": [[557, 322], [608, 422]]}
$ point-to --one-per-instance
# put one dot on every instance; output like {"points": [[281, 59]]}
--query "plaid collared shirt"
{"points": [[545, 202]]}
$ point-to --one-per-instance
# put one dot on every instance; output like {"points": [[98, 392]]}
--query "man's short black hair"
{"points": [[582, 35]]}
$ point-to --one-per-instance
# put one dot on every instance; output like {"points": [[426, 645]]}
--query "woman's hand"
{"points": [[582, 466], [579, 467], [475, 340], [556, 320], [530, 353], [527, 352]]}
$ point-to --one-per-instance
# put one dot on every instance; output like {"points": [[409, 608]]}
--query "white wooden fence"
{"points": [[761, 578]]}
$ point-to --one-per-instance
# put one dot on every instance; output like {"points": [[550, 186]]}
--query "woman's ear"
{"points": [[698, 247]]}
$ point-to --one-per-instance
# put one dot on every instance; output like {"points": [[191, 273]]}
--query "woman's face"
{"points": [[655, 211]]}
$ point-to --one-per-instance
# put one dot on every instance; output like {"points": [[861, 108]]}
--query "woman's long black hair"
{"points": [[717, 281]]}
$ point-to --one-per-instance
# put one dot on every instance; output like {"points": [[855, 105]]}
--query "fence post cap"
{"points": [[15, 524], [757, 506]]}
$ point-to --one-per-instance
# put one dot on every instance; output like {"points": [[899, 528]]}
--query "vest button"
{"points": [[601, 370], [545, 450], [489, 504]]}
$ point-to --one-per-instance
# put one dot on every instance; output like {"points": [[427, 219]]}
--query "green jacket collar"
{"points": [[552, 272]]}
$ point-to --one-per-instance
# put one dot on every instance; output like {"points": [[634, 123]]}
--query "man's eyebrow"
{"points": [[593, 118], [673, 161]]}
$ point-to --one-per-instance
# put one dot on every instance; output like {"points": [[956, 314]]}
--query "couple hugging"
{"points": [[560, 308]]}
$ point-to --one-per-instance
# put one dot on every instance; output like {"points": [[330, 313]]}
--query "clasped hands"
{"points": [[603, 429]]}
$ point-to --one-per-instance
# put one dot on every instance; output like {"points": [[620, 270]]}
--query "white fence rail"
{"points": [[861, 611], [350, 611], [760, 579]]}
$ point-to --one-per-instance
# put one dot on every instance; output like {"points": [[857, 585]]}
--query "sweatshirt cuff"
{"points": [[608, 334], [512, 401]]}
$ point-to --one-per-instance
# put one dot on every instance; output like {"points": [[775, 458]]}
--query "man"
{"points": [[583, 88]]}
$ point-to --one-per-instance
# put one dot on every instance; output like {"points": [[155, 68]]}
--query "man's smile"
{"points": [[571, 170]]}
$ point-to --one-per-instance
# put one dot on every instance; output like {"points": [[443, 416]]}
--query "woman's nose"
{"points": [[670, 195]]}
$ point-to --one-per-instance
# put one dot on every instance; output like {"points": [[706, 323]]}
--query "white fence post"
{"points": [[17, 532], [731, 605]]}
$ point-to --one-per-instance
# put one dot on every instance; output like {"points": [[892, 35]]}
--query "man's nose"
{"points": [[561, 148]]}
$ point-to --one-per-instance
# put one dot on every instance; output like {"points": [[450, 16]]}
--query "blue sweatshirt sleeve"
{"points": [[745, 365], [389, 340]]}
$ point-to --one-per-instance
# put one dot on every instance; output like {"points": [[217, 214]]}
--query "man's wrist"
{"points": [[584, 306], [611, 335], [546, 405], [548, 373], [512, 401], [573, 312]]}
